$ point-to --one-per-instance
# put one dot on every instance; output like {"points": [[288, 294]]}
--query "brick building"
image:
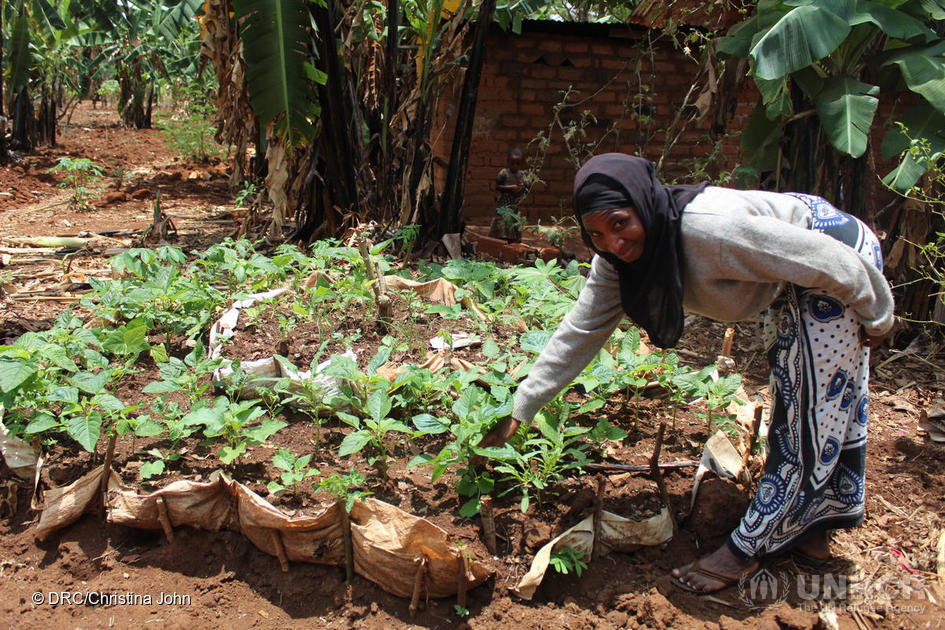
{"points": [[628, 78]]}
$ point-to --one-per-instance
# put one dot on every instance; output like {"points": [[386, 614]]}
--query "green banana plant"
{"points": [[832, 59]]}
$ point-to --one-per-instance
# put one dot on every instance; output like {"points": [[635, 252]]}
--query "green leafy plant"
{"points": [[231, 421], [345, 489], [295, 470], [475, 411], [77, 174], [545, 458], [372, 429], [567, 560], [246, 194]]}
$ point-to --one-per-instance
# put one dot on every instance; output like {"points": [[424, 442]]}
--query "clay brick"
{"points": [[572, 48]]}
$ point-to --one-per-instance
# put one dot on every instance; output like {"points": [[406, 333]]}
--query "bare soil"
{"points": [[219, 579]]}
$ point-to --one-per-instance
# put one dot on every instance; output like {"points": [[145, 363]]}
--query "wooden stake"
{"points": [[106, 473], [598, 508], [384, 305], [418, 579], [640, 467], [276, 537], [727, 342], [164, 519], [346, 538], [752, 440], [461, 581], [488, 524], [657, 475]]}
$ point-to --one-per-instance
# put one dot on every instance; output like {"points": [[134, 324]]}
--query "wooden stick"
{"points": [[276, 537], [657, 475], [346, 538], [461, 581], [752, 440], [165, 519], [106, 473], [488, 524], [418, 585], [598, 508], [727, 342], [640, 467]]}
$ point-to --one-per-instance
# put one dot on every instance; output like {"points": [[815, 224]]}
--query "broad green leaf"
{"points": [[923, 70], [379, 359], [161, 387], [228, 454], [59, 356], [276, 37], [759, 140], [906, 174], [207, 416], [64, 393], [266, 429], [354, 442], [41, 422], [14, 372], [466, 401], [737, 42], [420, 460], [920, 121], [148, 428], [846, 108], [535, 340], [274, 487], [490, 349], [107, 402], [378, 404], [284, 459], [159, 353], [592, 405], [85, 429], [470, 508], [90, 383], [801, 37], [150, 469], [429, 424]]}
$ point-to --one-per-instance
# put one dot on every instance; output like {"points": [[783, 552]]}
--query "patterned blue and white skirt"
{"points": [[814, 476]]}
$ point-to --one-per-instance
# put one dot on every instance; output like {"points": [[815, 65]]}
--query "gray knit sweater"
{"points": [[740, 249]]}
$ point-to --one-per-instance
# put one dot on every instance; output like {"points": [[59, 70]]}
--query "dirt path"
{"points": [[220, 580]]}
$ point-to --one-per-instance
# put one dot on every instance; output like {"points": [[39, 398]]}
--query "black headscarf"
{"points": [[651, 288]]}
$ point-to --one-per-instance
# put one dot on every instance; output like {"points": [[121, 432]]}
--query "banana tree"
{"points": [[354, 143], [820, 67]]}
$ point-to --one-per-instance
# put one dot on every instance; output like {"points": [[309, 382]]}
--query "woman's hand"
{"points": [[497, 436], [874, 341]]}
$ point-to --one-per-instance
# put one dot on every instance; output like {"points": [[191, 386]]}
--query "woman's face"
{"points": [[618, 231]]}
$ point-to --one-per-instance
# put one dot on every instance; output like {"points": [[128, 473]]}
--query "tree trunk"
{"points": [[23, 121], [459, 153], [334, 141]]}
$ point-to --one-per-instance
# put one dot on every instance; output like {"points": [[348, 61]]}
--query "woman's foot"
{"points": [[714, 572], [815, 550]]}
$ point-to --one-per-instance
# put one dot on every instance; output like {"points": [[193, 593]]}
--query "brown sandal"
{"points": [[726, 580]]}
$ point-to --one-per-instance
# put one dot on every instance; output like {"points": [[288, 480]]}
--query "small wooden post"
{"points": [[658, 475], [164, 519], [418, 580], [461, 582], [276, 537], [106, 473], [752, 440], [488, 524], [598, 508], [346, 538]]}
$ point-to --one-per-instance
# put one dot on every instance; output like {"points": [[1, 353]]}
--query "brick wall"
{"points": [[523, 80]]}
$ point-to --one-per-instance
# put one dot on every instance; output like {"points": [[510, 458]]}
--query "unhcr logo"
{"points": [[763, 588]]}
